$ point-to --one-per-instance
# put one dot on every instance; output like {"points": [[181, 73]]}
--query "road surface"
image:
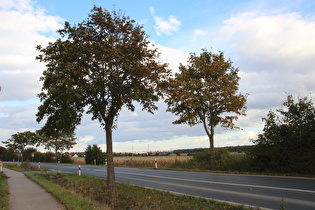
{"points": [[261, 191]]}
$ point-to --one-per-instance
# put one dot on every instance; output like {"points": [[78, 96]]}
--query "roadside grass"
{"points": [[65, 196], [70, 189], [25, 166], [4, 196]]}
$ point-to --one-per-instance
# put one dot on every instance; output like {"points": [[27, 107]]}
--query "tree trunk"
{"points": [[110, 160], [212, 152], [110, 163], [22, 159], [211, 140], [56, 152]]}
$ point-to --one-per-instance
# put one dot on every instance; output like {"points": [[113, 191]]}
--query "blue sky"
{"points": [[271, 42]]}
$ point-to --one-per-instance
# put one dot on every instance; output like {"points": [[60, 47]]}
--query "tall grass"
{"points": [[4, 196]]}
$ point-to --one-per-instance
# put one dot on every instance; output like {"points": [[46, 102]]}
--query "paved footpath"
{"points": [[28, 195]]}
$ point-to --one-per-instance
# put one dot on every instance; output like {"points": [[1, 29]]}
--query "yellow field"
{"points": [[78, 160], [141, 161], [148, 161]]}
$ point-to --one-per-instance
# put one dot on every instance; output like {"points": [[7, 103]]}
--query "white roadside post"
{"points": [[38, 164], [79, 170], [155, 163], [0, 166]]}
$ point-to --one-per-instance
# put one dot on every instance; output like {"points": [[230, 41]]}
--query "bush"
{"points": [[225, 161], [287, 142]]}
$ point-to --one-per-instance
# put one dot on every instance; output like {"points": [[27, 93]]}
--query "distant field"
{"points": [[78, 160], [141, 161], [148, 161]]}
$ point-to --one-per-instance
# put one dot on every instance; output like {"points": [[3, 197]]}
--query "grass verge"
{"points": [[68, 198], [25, 166], [71, 189], [4, 196]]}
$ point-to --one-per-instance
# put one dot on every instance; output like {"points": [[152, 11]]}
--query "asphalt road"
{"points": [[261, 191]]}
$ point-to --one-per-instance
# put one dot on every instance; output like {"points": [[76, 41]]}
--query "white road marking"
{"points": [[223, 183]]}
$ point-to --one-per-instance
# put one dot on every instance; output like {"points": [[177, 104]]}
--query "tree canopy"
{"points": [[99, 66], [19, 141], [206, 91], [288, 139]]}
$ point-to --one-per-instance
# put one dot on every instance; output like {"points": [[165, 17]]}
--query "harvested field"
{"points": [[78, 160], [148, 161], [141, 161]]}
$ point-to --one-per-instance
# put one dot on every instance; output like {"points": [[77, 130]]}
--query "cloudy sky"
{"points": [[271, 42]]}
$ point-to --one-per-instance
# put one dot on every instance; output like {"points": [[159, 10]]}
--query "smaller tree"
{"points": [[19, 141], [94, 155], [58, 140], [288, 139], [206, 91]]}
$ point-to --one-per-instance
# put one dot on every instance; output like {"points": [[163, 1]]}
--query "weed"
{"points": [[282, 204]]}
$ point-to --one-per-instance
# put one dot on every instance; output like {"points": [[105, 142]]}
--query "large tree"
{"points": [[206, 91], [288, 139], [19, 141], [103, 64]]}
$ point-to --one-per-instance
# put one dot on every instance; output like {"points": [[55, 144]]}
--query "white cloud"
{"points": [[173, 57], [273, 41], [197, 34], [201, 141], [152, 10], [275, 54], [22, 28], [86, 139], [168, 27], [18, 5]]}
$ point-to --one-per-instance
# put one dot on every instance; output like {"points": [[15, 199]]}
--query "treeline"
{"points": [[32, 155], [229, 149]]}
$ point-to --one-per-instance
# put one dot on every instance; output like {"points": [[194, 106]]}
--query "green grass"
{"points": [[4, 196], [68, 198], [94, 192], [25, 166]]}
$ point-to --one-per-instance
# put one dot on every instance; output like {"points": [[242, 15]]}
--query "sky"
{"points": [[271, 42]]}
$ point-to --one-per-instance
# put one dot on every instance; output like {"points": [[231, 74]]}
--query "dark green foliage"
{"points": [[98, 66], [47, 157], [288, 139], [66, 159], [94, 155], [19, 141], [225, 161]]}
